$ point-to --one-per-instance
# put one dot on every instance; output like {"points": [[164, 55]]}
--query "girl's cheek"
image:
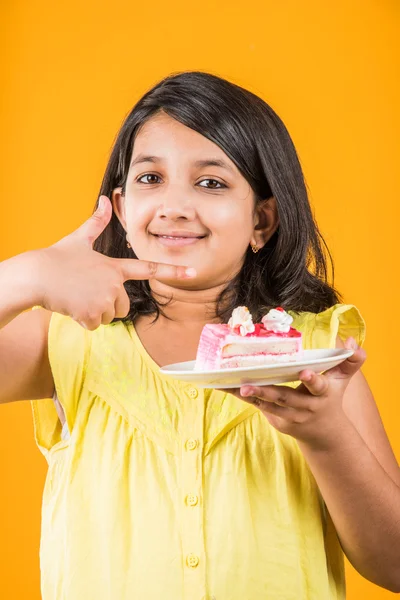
{"points": [[139, 215]]}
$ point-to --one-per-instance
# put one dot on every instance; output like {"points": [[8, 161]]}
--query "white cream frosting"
{"points": [[278, 321], [241, 319]]}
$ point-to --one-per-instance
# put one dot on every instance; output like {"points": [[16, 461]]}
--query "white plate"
{"points": [[316, 360]]}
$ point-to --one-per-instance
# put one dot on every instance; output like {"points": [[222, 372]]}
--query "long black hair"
{"points": [[291, 270]]}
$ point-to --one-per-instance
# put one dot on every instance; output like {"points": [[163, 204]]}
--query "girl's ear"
{"points": [[118, 203], [266, 221]]}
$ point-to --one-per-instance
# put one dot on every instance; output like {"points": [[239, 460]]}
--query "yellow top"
{"points": [[167, 492]]}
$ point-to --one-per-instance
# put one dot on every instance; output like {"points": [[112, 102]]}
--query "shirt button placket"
{"points": [[192, 493]]}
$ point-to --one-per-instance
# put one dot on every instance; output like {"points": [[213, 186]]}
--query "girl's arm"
{"points": [[25, 372], [360, 456], [363, 499], [360, 407], [338, 428], [18, 285]]}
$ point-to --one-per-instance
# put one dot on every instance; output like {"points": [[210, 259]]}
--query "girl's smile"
{"points": [[177, 239]]}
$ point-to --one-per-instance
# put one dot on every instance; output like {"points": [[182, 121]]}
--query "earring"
{"points": [[128, 244], [255, 248]]}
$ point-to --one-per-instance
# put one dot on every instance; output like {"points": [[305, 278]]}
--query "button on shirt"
{"points": [[192, 561], [192, 499], [191, 444]]}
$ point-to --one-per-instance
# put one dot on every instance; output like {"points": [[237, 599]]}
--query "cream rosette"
{"points": [[277, 320], [241, 320]]}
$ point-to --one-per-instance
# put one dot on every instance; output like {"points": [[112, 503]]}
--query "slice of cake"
{"points": [[240, 343]]}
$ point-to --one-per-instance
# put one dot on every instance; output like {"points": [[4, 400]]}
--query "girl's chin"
{"points": [[180, 258]]}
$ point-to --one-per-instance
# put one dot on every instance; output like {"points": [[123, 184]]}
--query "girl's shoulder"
{"points": [[320, 330]]}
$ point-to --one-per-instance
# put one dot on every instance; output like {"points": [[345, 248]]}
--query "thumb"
{"points": [[90, 230], [351, 365], [356, 360]]}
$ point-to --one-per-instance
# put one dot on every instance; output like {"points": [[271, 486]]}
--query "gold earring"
{"points": [[255, 248], [128, 244]]}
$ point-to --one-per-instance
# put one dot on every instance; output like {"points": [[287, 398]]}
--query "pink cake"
{"points": [[240, 343]]}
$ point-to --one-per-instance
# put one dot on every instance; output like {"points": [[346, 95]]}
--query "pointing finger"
{"points": [[142, 269]]}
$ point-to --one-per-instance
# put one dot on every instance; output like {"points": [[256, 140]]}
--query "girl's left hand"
{"points": [[313, 411]]}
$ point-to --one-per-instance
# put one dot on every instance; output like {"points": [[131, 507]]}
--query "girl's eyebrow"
{"points": [[207, 162]]}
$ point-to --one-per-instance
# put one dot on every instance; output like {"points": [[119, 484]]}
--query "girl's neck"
{"points": [[196, 307], [174, 338]]}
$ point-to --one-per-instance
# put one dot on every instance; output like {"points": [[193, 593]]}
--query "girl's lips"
{"points": [[174, 240]]}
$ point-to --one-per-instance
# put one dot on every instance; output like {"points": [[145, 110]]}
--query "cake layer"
{"points": [[272, 345], [257, 359]]}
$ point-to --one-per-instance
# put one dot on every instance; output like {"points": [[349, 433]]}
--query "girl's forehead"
{"points": [[162, 126], [164, 139]]}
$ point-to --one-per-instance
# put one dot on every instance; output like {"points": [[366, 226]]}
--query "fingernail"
{"points": [[353, 343], [101, 205], [246, 391], [190, 272]]}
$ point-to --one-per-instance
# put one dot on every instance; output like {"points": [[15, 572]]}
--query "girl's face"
{"points": [[187, 204]]}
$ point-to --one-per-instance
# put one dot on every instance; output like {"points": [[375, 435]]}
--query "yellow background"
{"points": [[71, 72]]}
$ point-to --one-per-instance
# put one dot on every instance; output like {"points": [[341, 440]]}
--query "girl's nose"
{"points": [[176, 205]]}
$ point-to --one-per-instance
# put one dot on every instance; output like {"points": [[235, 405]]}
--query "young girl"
{"points": [[157, 489]]}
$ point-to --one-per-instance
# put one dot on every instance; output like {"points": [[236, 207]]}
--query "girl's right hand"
{"points": [[77, 281]]}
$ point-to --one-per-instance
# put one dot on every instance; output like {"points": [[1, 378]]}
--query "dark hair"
{"points": [[291, 269]]}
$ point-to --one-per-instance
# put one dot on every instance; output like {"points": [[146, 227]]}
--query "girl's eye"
{"points": [[148, 175], [213, 187]]}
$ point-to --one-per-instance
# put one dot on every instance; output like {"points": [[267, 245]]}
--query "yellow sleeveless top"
{"points": [[164, 491]]}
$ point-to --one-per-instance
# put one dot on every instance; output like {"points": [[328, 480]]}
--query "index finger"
{"points": [[133, 268]]}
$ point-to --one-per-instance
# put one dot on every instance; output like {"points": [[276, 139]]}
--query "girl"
{"points": [[158, 489]]}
